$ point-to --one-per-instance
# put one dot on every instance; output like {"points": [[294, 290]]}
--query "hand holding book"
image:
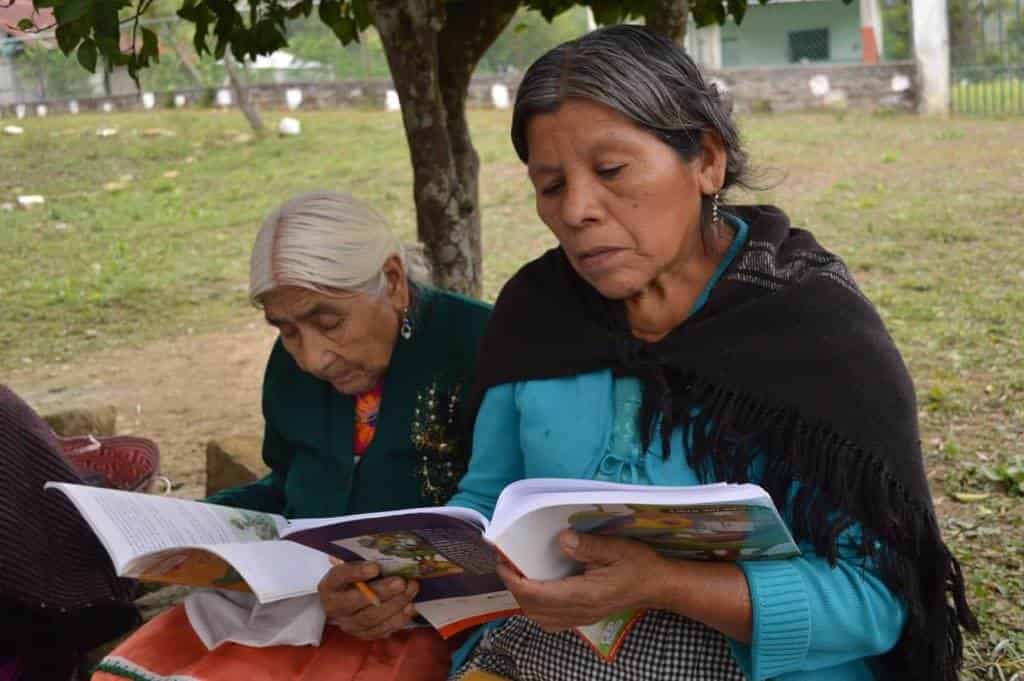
{"points": [[386, 609], [622, 577]]}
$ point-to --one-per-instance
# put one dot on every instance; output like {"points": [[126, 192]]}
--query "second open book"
{"points": [[450, 550]]}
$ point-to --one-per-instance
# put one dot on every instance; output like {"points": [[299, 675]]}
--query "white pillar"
{"points": [[931, 49], [714, 46]]}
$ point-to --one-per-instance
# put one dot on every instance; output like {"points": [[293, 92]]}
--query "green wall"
{"points": [[763, 38]]}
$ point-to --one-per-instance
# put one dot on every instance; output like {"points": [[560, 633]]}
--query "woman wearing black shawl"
{"points": [[674, 340]]}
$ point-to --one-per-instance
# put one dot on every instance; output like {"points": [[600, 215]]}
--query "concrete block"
{"points": [[233, 461]]}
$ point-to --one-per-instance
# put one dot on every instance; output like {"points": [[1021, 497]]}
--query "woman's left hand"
{"points": [[619, 574]]}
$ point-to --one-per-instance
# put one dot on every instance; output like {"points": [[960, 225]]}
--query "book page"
{"points": [[273, 570], [445, 553], [130, 524], [706, 531], [467, 515]]}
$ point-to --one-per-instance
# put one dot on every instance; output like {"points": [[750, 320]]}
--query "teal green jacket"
{"points": [[309, 425]]}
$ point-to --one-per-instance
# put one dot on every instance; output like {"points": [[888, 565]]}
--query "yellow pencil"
{"points": [[368, 593]]}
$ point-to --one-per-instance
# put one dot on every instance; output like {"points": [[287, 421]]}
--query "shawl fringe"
{"points": [[900, 536]]}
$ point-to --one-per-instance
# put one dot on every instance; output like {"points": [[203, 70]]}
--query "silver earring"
{"points": [[406, 325], [715, 216]]}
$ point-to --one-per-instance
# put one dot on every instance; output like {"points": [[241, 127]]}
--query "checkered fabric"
{"points": [[661, 646]]}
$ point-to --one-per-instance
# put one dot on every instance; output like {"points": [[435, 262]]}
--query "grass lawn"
{"points": [[146, 234]]}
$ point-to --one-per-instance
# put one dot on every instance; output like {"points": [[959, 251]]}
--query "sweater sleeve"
{"points": [[497, 458], [810, 615]]}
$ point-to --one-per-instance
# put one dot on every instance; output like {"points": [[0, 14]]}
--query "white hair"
{"points": [[328, 242]]}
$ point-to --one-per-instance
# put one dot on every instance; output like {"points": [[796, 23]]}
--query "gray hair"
{"points": [[641, 75], [328, 242]]}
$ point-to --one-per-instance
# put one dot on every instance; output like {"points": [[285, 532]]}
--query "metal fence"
{"points": [[987, 57]]}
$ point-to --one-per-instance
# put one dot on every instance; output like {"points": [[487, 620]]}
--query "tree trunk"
{"points": [[467, 34], [241, 91], [668, 17], [431, 74]]}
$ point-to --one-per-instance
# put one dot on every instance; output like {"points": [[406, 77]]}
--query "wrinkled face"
{"points": [[345, 339], [624, 205]]}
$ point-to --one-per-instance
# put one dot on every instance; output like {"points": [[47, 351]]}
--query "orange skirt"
{"points": [[167, 648]]}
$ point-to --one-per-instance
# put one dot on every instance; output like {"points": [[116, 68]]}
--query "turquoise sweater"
{"points": [[811, 620]]}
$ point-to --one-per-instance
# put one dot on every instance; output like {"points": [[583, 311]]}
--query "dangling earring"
{"points": [[715, 215], [406, 330]]}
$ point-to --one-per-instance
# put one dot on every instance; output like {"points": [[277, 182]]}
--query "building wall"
{"points": [[763, 37]]}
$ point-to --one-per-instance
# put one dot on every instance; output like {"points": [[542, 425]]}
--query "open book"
{"points": [[450, 550]]}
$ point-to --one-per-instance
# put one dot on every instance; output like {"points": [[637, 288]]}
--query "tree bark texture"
{"points": [[431, 57], [668, 17], [241, 91]]}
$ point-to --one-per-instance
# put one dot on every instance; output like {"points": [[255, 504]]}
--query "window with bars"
{"points": [[809, 45]]}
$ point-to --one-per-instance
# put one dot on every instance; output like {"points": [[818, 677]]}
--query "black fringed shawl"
{"points": [[787, 357]]}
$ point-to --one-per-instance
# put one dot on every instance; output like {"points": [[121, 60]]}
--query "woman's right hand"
{"points": [[351, 611]]}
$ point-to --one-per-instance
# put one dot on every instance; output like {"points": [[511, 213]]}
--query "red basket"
{"points": [[119, 462]]}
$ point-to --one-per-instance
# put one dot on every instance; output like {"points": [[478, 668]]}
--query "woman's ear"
{"points": [[397, 290], [711, 163]]}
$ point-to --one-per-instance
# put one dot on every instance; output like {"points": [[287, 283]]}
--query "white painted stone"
{"points": [[13, 130], [293, 98], [289, 126], [107, 107], [148, 100], [930, 26], [355, 92], [73, 107], [499, 95], [900, 83], [223, 98], [179, 101], [106, 132], [20, 111], [41, 110], [29, 200], [391, 102], [819, 85]]}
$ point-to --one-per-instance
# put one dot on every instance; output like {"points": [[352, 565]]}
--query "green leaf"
{"points": [[361, 12], [44, 4], [345, 30], [87, 55], [300, 9], [104, 20], [606, 12], [26, 25], [737, 8], [708, 12], [150, 47], [330, 12], [68, 37], [71, 10]]}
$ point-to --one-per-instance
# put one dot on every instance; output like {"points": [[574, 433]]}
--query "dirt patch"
{"points": [[180, 392]]}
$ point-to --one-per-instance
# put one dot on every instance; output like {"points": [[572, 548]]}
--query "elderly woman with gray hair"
{"points": [[674, 340], [368, 352]]}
